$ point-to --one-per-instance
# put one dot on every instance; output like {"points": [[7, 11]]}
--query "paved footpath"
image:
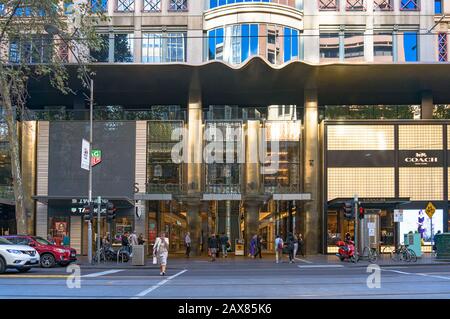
{"points": [[239, 277]]}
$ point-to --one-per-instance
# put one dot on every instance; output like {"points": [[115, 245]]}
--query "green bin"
{"points": [[442, 242]]}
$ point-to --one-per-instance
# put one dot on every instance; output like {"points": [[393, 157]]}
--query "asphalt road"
{"points": [[227, 279]]}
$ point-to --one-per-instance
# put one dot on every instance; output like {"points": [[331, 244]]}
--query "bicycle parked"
{"points": [[403, 253]]}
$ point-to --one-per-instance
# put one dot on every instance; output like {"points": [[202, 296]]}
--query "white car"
{"points": [[18, 257]]}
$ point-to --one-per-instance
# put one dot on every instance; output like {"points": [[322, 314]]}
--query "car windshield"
{"points": [[4, 241], [42, 241]]}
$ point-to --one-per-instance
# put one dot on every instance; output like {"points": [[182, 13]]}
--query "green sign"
{"points": [[96, 157]]}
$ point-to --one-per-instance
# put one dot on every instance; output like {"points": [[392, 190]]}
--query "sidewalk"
{"points": [[180, 261]]}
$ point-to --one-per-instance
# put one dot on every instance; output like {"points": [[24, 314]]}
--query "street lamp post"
{"points": [[88, 81]]}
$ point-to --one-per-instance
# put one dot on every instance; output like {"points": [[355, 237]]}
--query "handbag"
{"points": [[155, 260]]}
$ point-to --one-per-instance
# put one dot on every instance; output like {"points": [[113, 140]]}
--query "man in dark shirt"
{"points": [[224, 245], [213, 243], [125, 242]]}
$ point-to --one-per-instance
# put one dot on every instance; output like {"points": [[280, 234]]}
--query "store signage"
{"points": [[96, 157], [418, 158], [77, 206], [398, 216], [85, 147]]}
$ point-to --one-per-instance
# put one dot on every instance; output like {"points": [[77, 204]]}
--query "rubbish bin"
{"points": [[442, 242], [414, 243], [138, 258]]}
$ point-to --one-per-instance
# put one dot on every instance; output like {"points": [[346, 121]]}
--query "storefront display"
{"points": [[415, 220]]}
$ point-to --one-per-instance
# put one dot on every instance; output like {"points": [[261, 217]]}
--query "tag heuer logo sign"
{"points": [[96, 157]]}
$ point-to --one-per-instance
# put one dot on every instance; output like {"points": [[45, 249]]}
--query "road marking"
{"points": [[159, 284], [34, 276], [417, 274], [321, 266], [98, 274], [398, 271], [303, 260]]}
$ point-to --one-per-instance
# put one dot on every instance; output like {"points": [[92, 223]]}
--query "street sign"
{"points": [[398, 215], [85, 146], [430, 210], [96, 157]]}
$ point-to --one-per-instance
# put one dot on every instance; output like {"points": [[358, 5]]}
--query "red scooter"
{"points": [[346, 251]]}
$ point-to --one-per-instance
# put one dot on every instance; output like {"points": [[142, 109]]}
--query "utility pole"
{"points": [[355, 203], [99, 207], [91, 108]]}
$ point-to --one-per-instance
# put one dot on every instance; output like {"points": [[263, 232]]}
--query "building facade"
{"points": [[306, 75]]}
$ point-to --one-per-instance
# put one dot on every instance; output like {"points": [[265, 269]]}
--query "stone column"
{"points": [[251, 221], [194, 223], [311, 167], [427, 106]]}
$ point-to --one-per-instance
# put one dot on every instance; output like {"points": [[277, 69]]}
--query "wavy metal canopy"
{"points": [[255, 83]]}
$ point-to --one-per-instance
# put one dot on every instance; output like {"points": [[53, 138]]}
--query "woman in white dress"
{"points": [[161, 251]]}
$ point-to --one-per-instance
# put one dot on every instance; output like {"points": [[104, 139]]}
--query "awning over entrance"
{"points": [[256, 82], [371, 202], [119, 202]]}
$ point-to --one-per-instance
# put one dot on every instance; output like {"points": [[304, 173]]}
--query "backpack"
{"points": [[280, 244]]}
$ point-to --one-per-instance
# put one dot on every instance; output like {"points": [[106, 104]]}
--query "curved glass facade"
{"points": [[219, 3], [236, 43]]}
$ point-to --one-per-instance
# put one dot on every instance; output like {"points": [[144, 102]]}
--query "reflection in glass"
{"points": [[354, 46], [123, 47], [329, 46], [383, 47], [164, 47], [408, 47]]}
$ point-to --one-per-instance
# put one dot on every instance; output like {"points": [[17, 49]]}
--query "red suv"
{"points": [[51, 254]]}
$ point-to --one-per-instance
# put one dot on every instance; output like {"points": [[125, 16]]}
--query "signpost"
{"points": [[96, 157], [430, 210]]}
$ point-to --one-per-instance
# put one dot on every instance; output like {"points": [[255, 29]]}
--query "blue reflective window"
{"points": [[254, 39], [295, 41], [212, 3], [218, 3], [287, 44], [99, 5], [438, 6], [2, 9], [410, 45], [245, 41], [212, 45]]}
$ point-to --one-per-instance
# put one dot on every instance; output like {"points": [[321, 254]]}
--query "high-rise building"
{"points": [[245, 117]]}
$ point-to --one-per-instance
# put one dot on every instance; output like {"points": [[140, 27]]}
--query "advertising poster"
{"points": [[416, 220]]}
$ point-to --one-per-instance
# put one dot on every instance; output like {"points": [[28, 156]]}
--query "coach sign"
{"points": [[421, 158]]}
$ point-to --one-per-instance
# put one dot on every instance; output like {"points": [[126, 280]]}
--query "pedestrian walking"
{"points": [[301, 244], [295, 245], [161, 252], [290, 242], [66, 241], [253, 246], [278, 249], [125, 242], [141, 240], [213, 244], [187, 243], [224, 243], [258, 246]]}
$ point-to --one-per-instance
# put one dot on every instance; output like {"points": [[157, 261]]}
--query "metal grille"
{"points": [[178, 5], [443, 49], [328, 4], [152, 5], [383, 5], [355, 5], [409, 5], [125, 5]]}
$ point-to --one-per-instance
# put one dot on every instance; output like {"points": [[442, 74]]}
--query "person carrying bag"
{"points": [[161, 252]]}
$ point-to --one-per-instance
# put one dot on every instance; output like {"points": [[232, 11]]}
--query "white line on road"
{"points": [[303, 260], [159, 284], [98, 274], [417, 274], [321, 266]]}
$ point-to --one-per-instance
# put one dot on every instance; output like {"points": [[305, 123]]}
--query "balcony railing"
{"points": [[383, 5], [355, 5], [328, 5]]}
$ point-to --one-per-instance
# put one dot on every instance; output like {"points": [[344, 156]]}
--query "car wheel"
{"points": [[2, 265], [47, 261], [23, 269]]}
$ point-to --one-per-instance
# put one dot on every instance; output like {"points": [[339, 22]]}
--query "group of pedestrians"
{"points": [[130, 240], [294, 244]]}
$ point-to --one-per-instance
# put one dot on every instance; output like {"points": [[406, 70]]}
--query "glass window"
{"points": [[383, 5], [178, 5], [332, 5], [290, 44], [152, 5], [383, 49], [438, 6], [101, 54], [354, 46], [355, 5], [329, 46], [123, 47], [443, 47], [37, 49], [99, 5], [164, 47], [125, 5], [409, 5], [408, 47]]}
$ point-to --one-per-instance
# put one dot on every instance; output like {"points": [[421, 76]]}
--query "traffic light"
{"points": [[349, 212], [361, 213], [88, 211], [110, 211]]}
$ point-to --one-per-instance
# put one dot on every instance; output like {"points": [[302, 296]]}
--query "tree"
{"points": [[27, 51]]}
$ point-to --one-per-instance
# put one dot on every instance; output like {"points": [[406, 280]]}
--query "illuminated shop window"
{"points": [[443, 47], [382, 182], [421, 183], [360, 137], [355, 5], [410, 5], [383, 5], [328, 5], [420, 137]]}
